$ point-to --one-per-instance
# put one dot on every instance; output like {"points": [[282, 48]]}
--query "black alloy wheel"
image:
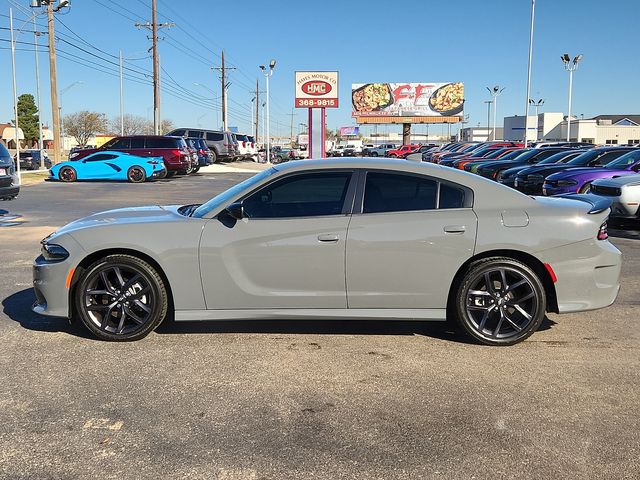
{"points": [[120, 298], [196, 169], [67, 174], [136, 174], [500, 301]]}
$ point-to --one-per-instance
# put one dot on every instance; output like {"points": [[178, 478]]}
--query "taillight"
{"points": [[244, 144], [152, 162], [201, 151], [603, 234]]}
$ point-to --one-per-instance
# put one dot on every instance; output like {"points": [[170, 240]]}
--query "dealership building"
{"points": [[599, 130]]}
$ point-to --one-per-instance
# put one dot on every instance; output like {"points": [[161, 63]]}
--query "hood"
{"points": [[619, 181], [124, 216]]}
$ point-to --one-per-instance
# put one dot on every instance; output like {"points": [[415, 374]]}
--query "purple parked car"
{"points": [[579, 180]]}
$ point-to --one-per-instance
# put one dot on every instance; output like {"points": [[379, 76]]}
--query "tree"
{"points": [[166, 126], [133, 125], [84, 125], [28, 119]]}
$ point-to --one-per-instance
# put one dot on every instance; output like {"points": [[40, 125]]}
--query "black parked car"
{"points": [[533, 156], [9, 187], [205, 155], [508, 177], [530, 180], [30, 160]]}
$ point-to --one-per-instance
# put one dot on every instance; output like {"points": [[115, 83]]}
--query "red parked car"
{"points": [[174, 151], [403, 151]]}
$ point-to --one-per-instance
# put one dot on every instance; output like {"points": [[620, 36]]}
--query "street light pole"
{"points": [[267, 75], [526, 114], [537, 105], [36, 34], [488, 102], [570, 66], [15, 97], [495, 93]]}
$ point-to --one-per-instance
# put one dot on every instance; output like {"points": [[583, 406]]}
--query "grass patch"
{"points": [[31, 178]]}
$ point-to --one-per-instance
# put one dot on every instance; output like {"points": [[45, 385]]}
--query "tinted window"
{"points": [[306, 195], [100, 157], [119, 144], [3, 151], [625, 160], [178, 133], [451, 196], [251, 139], [162, 142], [214, 137], [609, 157], [194, 133], [241, 138], [545, 154], [396, 193], [137, 142]]}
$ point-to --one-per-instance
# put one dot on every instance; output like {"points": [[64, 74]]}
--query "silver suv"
{"points": [[223, 145]]}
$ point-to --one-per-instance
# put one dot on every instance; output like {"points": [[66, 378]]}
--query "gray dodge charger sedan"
{"points": [[336, 239]]}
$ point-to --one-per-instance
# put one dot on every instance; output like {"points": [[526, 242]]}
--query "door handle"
{"points": [[455, 229], [328, 237]]}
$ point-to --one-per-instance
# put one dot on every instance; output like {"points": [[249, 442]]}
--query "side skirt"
{"points": [[436, 314]]}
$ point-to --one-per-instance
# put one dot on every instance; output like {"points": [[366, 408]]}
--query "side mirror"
{"points": [[236, 210]]}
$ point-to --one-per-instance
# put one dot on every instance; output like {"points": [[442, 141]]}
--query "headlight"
{"points": [[566, 183], [53, 253]]}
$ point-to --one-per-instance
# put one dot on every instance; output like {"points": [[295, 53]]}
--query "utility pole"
{"points": [[292, 115], [15, 98], [156, 89], [121, 97], [35, 41], [257, 100], [222, 69], [55, 111], [153, 26]]}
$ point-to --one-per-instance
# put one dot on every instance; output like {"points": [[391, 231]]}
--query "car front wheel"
{"points": [[500, 301], [67, 174], [120, 298]]}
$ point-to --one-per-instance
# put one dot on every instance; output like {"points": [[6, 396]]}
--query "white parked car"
{"points": [[253, 148], [624, 191], [244, 146]]}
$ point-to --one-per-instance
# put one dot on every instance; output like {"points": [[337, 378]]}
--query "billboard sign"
{"points": [[347, 131], [316, 90], [407, 99]]}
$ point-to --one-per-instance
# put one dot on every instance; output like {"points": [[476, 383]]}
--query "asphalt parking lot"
{"points": [[327, 400]]}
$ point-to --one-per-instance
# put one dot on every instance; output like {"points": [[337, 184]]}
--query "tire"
{"points": [[215, 157], [67, 174], [196, 169], [493, 315], [170, 173], [162, 175], [113, 314], [373, 154], [136, 174], [585, 188]]}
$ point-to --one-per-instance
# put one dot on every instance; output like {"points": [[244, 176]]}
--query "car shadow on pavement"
{"points": [[18, 308], [624, 229]]}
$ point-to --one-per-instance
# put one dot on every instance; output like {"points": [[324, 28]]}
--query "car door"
{"points": [[288, 251], [407, 238], [97, 166]]}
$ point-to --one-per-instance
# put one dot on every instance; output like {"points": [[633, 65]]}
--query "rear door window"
{"points": [[161, 142], [397, 193], [137, 142], [215, 137]]}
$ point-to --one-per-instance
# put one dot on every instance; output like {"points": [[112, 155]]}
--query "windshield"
{"points": [[511, 155], [624, 161], [585, 158], [227, 195]]}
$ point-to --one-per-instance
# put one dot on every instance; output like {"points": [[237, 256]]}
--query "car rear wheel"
{"points": [[120, 298], [500, 301], [373, 154], [196, 169], [67, 174], [214, 156], [136, 174], [170, 173], [162, 175]]}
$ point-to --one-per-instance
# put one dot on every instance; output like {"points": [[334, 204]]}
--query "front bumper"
{"points": [[52, 295], [9, 191], [159, 173], [528, 187], [588, 274], [548, 189]]}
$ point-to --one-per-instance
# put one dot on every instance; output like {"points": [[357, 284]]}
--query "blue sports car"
{"points": [[110, 166]]}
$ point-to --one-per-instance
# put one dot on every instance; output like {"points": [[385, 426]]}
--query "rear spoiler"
{"points": [[598, 204]]}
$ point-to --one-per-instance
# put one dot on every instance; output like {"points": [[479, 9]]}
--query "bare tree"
{"points": [[84, 125], [166, 126], [133, 125]]}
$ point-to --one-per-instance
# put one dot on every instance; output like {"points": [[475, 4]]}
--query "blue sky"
{"points": [[480, 43]]}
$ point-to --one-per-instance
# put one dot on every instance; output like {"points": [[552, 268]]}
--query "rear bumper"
{"points": [[588, 274], [9, 191]]}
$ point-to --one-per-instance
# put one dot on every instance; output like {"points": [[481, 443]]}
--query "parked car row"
{"points": [[9, 186], [225, 146], [551, 168], [30, 159]]}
